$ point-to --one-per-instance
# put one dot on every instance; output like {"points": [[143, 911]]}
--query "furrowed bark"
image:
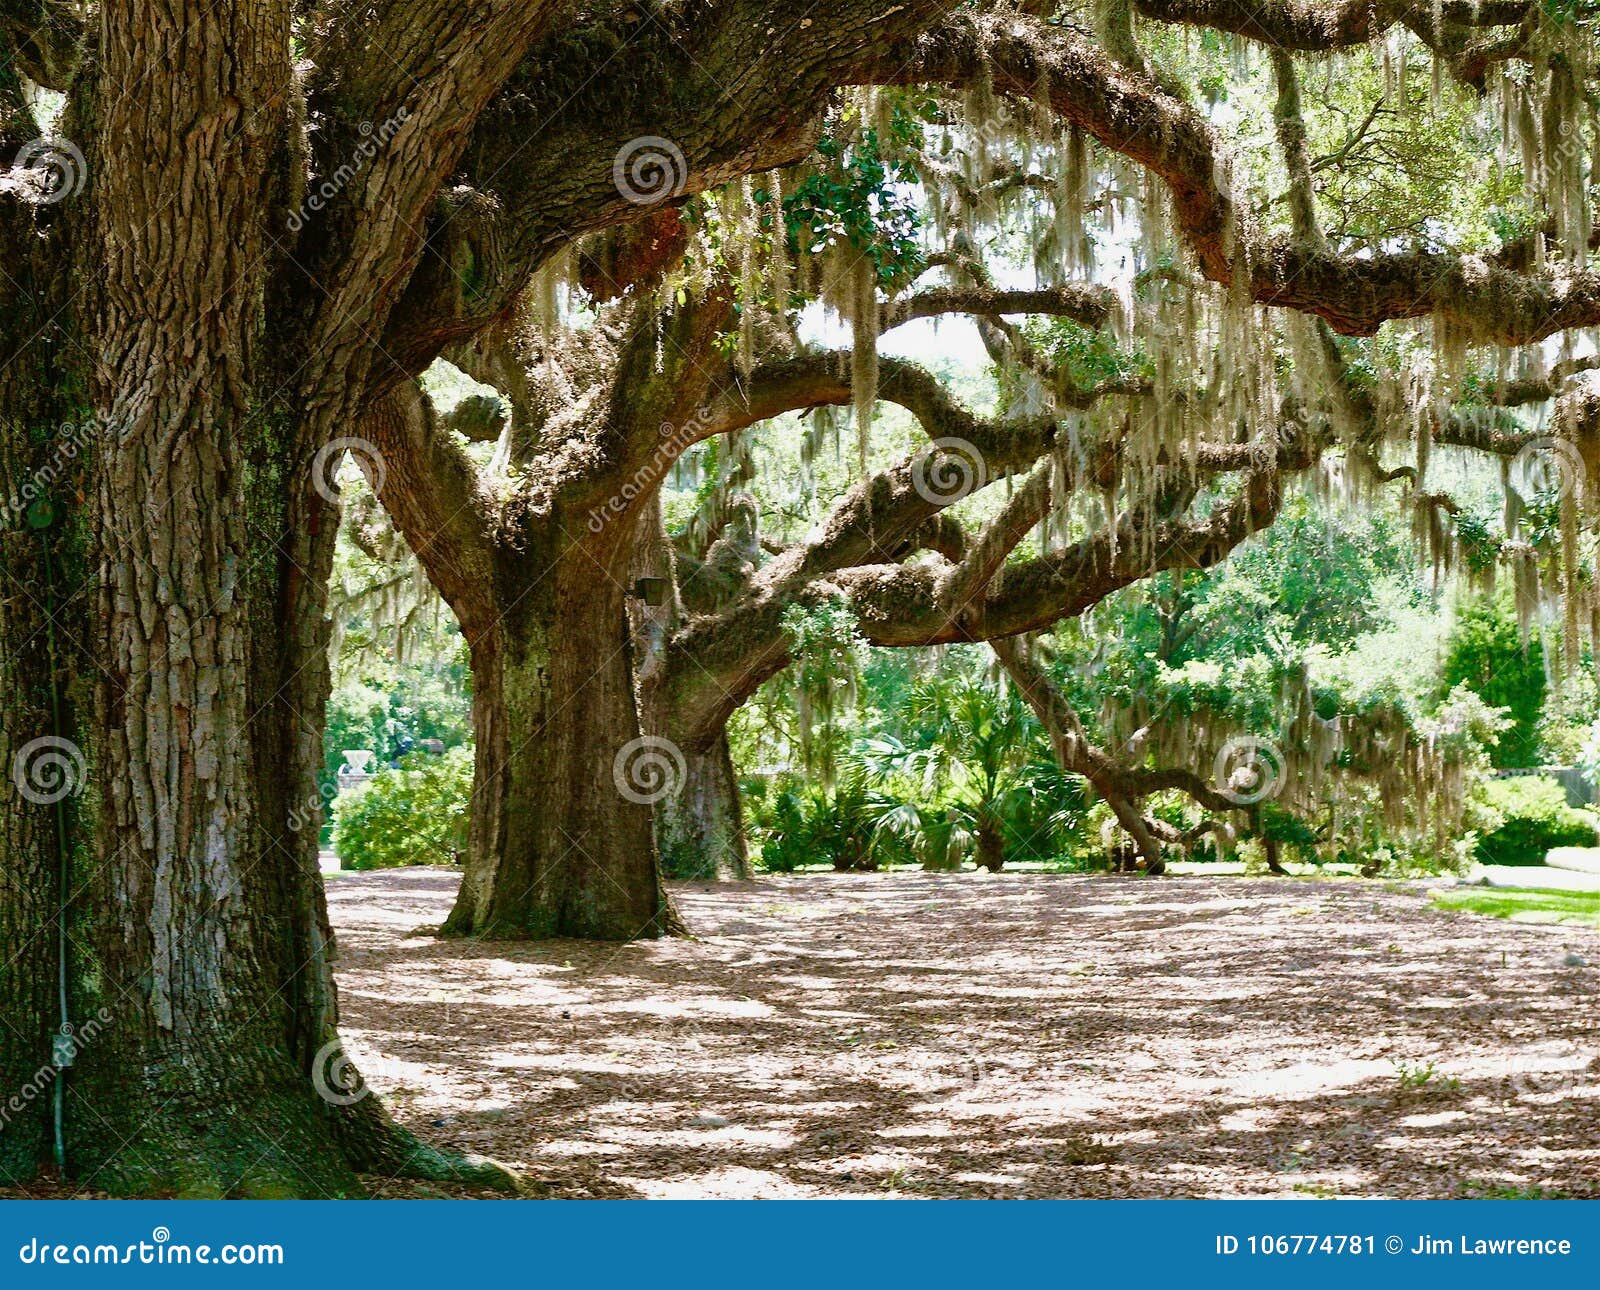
{"points": [[562, 835], [699, 827], [702, 825], [562, 839], [200, 979], [193, 1087]]}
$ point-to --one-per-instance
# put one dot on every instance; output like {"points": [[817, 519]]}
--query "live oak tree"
{"points": [[586, 377], [230, 278], [558, 848], [714, 663], [543, 543], [287, 213]]}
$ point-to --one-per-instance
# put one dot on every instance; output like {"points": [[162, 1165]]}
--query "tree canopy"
{"points": [[1214, 256]]}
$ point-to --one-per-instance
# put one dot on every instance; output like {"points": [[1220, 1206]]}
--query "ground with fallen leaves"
{"points": [[909, 1034]]}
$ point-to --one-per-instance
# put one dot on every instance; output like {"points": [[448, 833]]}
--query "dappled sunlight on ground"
{"points": [[992, 1035]]}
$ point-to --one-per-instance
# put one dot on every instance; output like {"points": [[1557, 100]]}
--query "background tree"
{"points": [[218, 345]]}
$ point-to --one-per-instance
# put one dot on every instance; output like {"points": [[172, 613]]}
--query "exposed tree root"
{"points": [[375, 1144]]}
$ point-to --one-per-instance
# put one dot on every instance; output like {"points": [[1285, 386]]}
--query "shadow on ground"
{"points": [[993, 1035]]}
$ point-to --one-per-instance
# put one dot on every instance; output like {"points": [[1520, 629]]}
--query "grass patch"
{"points": [[1475, 1190], [1417, 1075], [1530, 905]]}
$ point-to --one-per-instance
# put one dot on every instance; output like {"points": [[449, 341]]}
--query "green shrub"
{"points": [[851, 827], [416, 814], [391, 710], [786, 847], [1536, 818]]}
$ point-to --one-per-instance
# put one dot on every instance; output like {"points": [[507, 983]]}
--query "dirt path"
{"points": [[993, 1036]]}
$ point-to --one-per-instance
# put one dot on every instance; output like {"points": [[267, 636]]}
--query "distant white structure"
{"points": [[354, 773]]}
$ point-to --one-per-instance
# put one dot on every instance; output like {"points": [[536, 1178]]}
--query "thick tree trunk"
{"points": [[702, 826], [28, 943], [562, 836], [206, 967], [205, 956], [562, 841], [205, 1059], [191, 1083]]}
